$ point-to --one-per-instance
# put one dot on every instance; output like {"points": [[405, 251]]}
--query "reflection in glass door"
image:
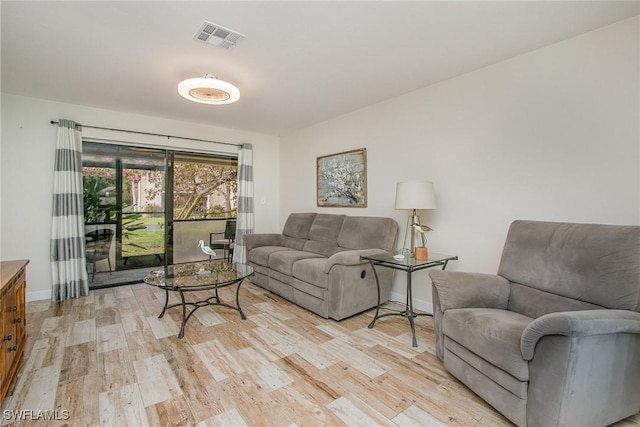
{"points": [[203, 192], [141, 213], [123, 198]]}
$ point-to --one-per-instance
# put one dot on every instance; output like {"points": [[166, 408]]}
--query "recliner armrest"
{"points": [[351, 257], [263, 239], [578, 323], [457, 289]]}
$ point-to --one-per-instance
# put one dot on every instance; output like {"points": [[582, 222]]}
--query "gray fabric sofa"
{"points": [[553, 338], [315, 261]]}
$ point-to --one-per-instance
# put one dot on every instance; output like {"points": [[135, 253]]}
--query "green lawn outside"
{"points": [[144, 241], [150, 240]]}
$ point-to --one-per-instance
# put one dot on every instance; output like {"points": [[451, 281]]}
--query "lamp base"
{"points": [[413, 221], [409, 233]]}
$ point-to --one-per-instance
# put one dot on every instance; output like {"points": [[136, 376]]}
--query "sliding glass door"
{"points": [[204, 197], [141, 207], [147, 207]]}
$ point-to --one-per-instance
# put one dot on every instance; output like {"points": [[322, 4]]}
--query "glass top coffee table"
{"points": [[198, 276]]}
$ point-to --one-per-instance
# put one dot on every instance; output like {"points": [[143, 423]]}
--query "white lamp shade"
{"points": [[415, 195]]}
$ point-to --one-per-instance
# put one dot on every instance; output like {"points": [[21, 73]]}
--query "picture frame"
{"points": [[342, 179]]}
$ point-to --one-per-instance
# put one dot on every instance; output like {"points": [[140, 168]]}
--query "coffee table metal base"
{"points": [[198, 304]]}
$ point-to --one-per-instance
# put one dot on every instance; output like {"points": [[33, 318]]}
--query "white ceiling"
{"points": [[301, 62]]}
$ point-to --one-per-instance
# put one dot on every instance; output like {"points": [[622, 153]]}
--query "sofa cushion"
{"points": [[322, 248], [298, 225], [295, 243], [312, 271], [283, 261], [326, 228], [361, 232], [261, 254], [492, 334]]}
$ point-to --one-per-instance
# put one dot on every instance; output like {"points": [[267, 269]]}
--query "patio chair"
{"points": [[98, 248], [226, 243]]}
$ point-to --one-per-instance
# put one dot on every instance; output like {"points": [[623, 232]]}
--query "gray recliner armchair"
{"points": [[554, 338]]}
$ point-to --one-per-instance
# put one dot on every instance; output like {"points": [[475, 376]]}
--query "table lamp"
{"points": [[414, 195]]}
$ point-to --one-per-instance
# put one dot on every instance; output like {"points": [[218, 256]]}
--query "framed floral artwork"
{"points": [[342, 179]]}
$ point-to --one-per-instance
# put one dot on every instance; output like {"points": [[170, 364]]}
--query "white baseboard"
{"points": [[418, 304], [38, 295]]}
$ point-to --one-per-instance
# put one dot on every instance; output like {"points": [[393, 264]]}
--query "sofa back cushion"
{"points": [[326, 228], [592, 263], [364, 232], [298, 225]]}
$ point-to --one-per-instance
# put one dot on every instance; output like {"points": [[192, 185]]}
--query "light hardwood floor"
{"points": [[107, 359]]}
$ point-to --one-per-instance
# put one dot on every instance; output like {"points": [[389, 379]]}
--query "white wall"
{"points": [[27, 153], [549, 135]]}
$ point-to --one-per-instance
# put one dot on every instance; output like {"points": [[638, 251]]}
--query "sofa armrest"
{"points": [[351, 257], [578, 323], [457, 289], [262, 239]]}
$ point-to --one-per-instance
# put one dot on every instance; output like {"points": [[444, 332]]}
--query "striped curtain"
{"points": [[244, 224], [68, 265]]}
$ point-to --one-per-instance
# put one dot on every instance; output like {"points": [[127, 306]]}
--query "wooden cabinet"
{"points": [[12, 319]]}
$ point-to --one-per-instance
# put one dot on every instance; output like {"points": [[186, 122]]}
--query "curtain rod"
{"points": [[53, 122]]}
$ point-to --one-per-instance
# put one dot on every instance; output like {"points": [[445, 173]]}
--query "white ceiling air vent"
{"points": [[218, 35]]}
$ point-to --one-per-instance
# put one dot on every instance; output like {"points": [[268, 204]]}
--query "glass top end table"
{"points": [[198, 276], [408, 264]]}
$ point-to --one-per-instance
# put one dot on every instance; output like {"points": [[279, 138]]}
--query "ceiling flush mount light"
{"points": [[208, 90]]}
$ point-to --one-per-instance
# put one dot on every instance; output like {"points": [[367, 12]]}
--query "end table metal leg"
{"points": [[375, 274], [411, 313], [413, 331]]}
